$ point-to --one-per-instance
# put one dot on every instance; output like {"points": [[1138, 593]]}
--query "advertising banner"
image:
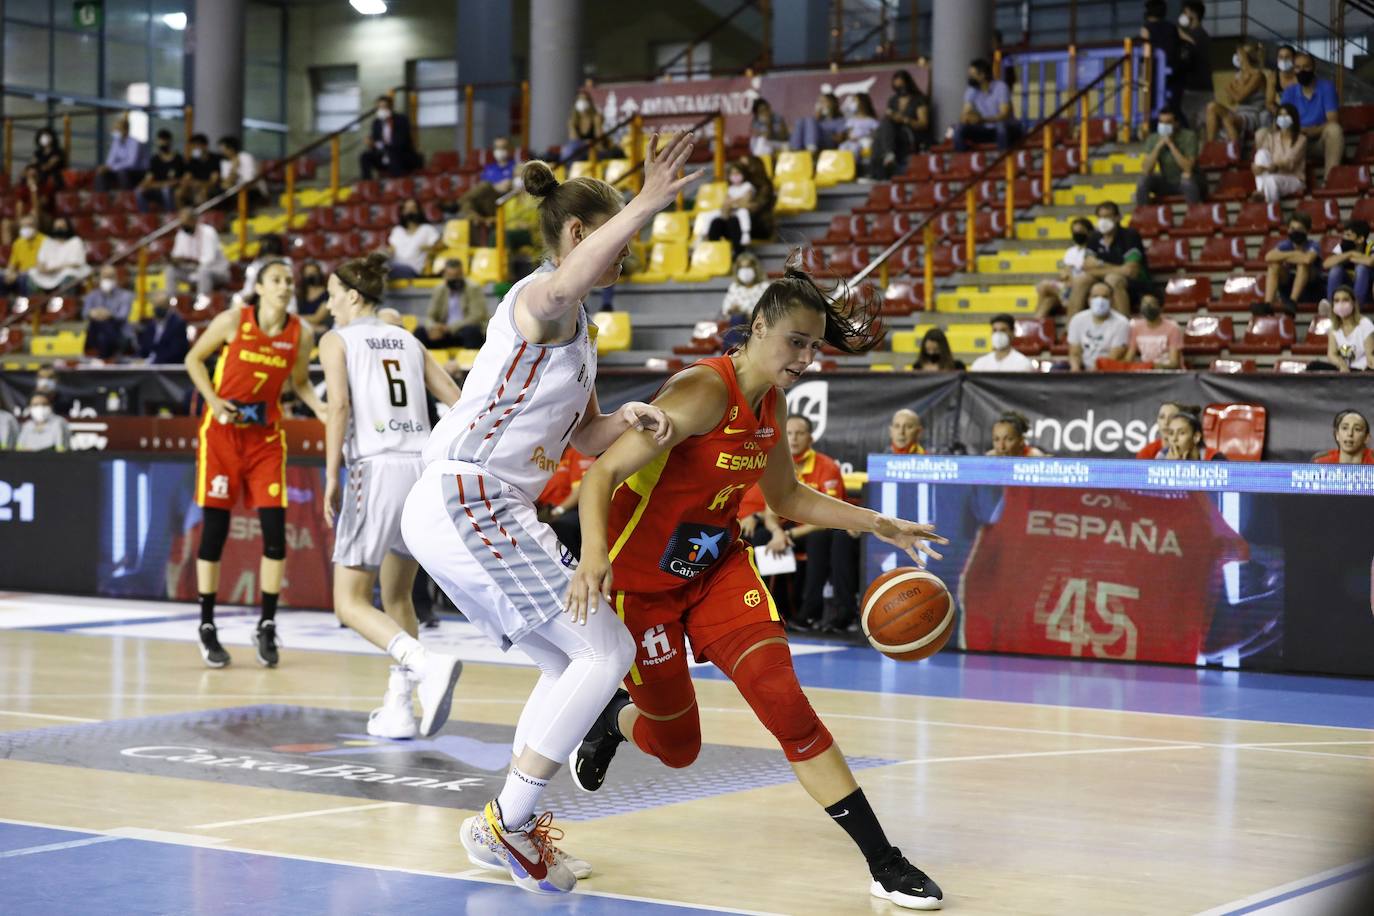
{"points": [[48, 523]]}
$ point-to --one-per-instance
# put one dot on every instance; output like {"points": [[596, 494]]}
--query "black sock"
{"points": [[617, 704], [207, 607], [269, 606], [856, 816]]}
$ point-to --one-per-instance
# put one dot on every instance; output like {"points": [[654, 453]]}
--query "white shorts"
{"points": [[369, 525], [482, 542]]}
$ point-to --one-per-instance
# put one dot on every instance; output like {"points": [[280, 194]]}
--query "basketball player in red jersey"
{"points": [[242, 446], [681, 572]]}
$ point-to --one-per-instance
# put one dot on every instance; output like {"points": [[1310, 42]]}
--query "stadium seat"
{"points": [[794, 165], [485, 266], [1165, 255], [989, 224], [585, 169], [1314, 342], [902, 297], [1233, 366], [1267, 334], [1218, 155], [963, 338], [813, 261], [921, 167], [1033, 336], [1255, 218], [1202, 220], [1364, 208], [1364, 151], [1236, 184], [616, 170], [675, 226], [1345, 181], [925, 196], [1269, 244], [1290, 366], [1187, 294], [1208, 334], [710, 196], [1239, 293], [1151, 221], [843, 229], [613, 331], [1235, 430], [796, 196], [880, 230], [666, 261], [848, 260], [1064, 162], [881, 198], [457, 234], [706, 339], [1356, 119], [397, 190], [963, 166], [709, 259], [1221, 253], [1324, 213], [834, 167]]}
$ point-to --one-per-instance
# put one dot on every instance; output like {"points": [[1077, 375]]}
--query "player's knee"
{"points": [[273, 523], [766, 679], [214, 531], [676, 742]]}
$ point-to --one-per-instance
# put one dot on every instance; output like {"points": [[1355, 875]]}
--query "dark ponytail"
{"points": [[366, 276], [852, 324]]}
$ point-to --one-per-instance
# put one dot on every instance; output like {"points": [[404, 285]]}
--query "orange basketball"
{"points": [[907, 614]]}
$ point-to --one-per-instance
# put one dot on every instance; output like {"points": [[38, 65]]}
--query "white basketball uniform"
{"points": [[388, 424], [471, 520]]}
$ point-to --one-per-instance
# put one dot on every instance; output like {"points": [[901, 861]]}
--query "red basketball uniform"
{"points": [[249, 454], [1334, 457], [679, 566]]}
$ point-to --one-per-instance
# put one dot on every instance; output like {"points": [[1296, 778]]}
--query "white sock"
{"points": [[406, 649], [518, 797]]}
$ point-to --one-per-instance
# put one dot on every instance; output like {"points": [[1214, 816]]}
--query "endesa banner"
{"points": [[1256, 566]]}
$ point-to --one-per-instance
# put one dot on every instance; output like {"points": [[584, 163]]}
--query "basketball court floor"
{"points": [[135, 780]]}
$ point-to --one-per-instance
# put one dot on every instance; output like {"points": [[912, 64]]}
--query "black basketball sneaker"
{"points": [[589, 763], [210, 649], [897, 880], [266, 640]]}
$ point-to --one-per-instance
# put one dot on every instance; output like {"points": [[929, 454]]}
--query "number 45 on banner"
{"points": [[1068, 622], [87, 14]]}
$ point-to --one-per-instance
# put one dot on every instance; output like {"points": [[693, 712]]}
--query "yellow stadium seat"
{"points": [[410, 322], [1117, 164], [1038, 261], [709, 259], [795, 165], [671, 227], [767, 160], [1119, 194], [451, 254], [456, 234], [63, 343], [485, 267], [615, 170], [585, 169], [833, 167], [1044, 227], [666, 261], [711, 196], [796, 196], [1012, 299], [613, 331], [963, 338]]}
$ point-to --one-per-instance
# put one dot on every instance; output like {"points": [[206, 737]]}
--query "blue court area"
{"points": [[57, 872]]}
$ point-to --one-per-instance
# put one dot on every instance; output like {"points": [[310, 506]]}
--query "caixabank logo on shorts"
{"points": [[692, 549]]}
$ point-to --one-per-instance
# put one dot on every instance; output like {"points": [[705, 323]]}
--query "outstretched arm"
{"points": [[335, 420], [300, 373]]}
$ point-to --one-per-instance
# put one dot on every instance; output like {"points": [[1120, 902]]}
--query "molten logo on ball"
{"points": [[907, 614]]}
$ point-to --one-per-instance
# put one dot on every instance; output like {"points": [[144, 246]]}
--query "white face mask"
{"points": [[500, 155], [107, 285], [1235, 61], [1184, 21], [197, 153], [581, 105], [1100, 306], [1000, 340], [40, 413], [1105, 224], [1284, 122], [1285, 65], [27, 232], [850, 105], [746, 276], [45, 141], [384, 113], [1164, 129], [117, 134]]}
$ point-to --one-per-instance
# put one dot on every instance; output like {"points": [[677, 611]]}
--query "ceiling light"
{"points": [[175, 21], [369, 7]]}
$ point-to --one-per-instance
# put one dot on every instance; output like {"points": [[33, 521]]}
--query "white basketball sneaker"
{"points": [[395, 718], [434, 677], [528, 853], [484, 857]]}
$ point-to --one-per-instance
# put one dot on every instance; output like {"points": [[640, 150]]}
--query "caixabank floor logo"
{"points": [[328, 752]]}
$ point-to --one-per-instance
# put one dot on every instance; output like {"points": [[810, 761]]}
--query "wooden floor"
{"points": [[1014, 807]]}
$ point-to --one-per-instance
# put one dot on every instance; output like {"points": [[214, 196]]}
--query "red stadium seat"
{"points": [[397, 190], [1033, 336], [1239, 293], [11, 339], [1233, 366], [98, 251], [1208, 334], [963, 166], [841, 231], [1364, 152], [369, 191], [1166, 255], [990, 224], [1256, 218], [814, 261], [1027, 192], [881, 198], [1364, 209], [1154, 220], [1235, 430], [1324, 213], [923, 197], [1269, 244], [848, 260], [1236, 184], [1187, 294], [1221, 254], [1064, 162], [1218, 155], [880, 230], [902, 297], [111, 224], [1356, 119], [1203, 220], [445, 160], [1314, 343], [1267, 334], [1345, 181], [918, 168], [368, 241]]}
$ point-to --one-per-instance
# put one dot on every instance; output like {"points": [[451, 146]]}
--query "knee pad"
{"points": [[675, 741], [768, 683], [214, 530], [273, 523]]}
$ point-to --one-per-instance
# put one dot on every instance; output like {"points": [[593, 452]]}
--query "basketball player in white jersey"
{"points": [[377, 420], [471, 520]]}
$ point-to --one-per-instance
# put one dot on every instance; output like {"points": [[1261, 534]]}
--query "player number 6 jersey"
{"points": [[386, 388]]}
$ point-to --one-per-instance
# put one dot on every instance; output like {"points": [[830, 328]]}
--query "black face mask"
{"points": [[311, 279], [457, 285], [1306, 77], [975, 83], [164, 148], [1080, 238], [899, 90], [1151, 312], [1297, 238], [410, 219], [188, 227], [160, 312]]}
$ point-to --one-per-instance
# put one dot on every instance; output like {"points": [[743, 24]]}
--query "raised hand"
{"points": [[661, 168]]}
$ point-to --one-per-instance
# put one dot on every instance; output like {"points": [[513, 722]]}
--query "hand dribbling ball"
{"points": [[907, 614]]}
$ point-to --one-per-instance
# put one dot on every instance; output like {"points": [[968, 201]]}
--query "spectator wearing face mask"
{"points": [[1170, 164], [1318, 107], [585, 129], [61, 258], [904, 129], [1183, 440], [33, 196], [43, 431], [747, 283], [1353, 258], [1280, 78], [987, 114], [23, 256], [497, 178], [162, 337], [411, 243], [1002, 358], [860, 128], [1296, 259], [1350, 342], [391, 145], [124, 161], [9, 430], [936, 355], [1116, 257], [1240, 104], [200, 173], [311, 294], [1052, 293], [237, 165], [739, 196], [1101, 332], [49, 159], [197, 256], [106, 311], [767, 130], [1280, 163], [1009, 433], [822, 129], [457, 312], [1195, 62], [1167, 410], [1351, 432], [164, 177], [904, 433], [1155, 339]]}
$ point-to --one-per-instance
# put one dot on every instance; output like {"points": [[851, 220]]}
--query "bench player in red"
{"points": [[682, 573], [242, 447]]}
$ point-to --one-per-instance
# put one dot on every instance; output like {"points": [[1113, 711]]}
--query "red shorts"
{"points": [[728, 598], [233, 458]]}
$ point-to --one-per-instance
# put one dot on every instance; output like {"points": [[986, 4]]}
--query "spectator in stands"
{"points": [[311, 294], [23, 255], [237, 165], [200, 173], [1002, 357], [61, 258], [1353, 259], [1240, 105], [904, 433], [43, 431], [197, 256], [124, 163], [1351, 432], [1009, 433], [50, 159], [860, 125], [9, 430], [747, 283], [106, 311], [765, 197], [1295, 257], [1167, 411], [1170, 165], [1195, 61], [1116, 256], [1184, 439], [1280, 78], [585, 129], [33, 194], [1280, 164], [1163, 35], [411, 243], [391, 144], [162, 336], [1098, 333], [935, 355], [1051, 294], [905, 127], [767, 130], [823, 129], [166, 175], [1350, 342], [987, 114], [1155, 339], [497, 178], [457, 312], [1318, 107], [739, 195]]}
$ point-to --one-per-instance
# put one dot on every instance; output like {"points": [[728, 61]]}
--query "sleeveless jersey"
{"points": [[674, 518], [254, 367], [521, 401], [386, 390]]}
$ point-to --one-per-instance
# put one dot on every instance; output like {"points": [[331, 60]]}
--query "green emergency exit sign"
{"points": [[86, 14]]}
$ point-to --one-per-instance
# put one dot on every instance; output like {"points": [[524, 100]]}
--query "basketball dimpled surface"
{"points": [[907, 614]]}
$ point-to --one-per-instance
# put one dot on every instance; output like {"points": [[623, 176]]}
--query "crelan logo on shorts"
{"points": [[752, 598], [219, 486], [658, 648]]}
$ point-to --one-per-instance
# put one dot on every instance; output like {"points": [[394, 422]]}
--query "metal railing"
{"points": [[467, 93], [65, 117]]}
